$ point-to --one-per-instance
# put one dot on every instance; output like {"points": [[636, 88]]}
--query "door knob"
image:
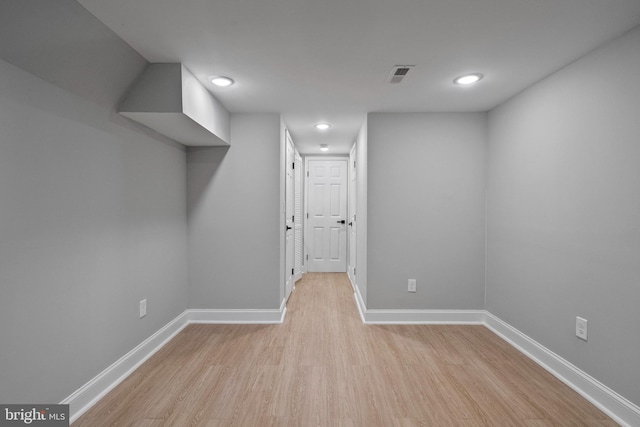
{"points": [[351, 224], [342, 221], [288, 228]]}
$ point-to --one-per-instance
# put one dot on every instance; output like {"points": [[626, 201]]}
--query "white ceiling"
{"points": [[328, 60]]}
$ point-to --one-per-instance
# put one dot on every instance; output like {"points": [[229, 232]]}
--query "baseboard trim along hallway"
{"points": [[617, 407], [417, 317], [251, 316], [608, 401], [89, 394]]}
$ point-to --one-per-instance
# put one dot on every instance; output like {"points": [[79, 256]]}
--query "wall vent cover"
{"points": [[398, 73]]}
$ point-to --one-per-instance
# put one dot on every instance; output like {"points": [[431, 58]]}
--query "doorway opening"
{"points": [[319, 214]]}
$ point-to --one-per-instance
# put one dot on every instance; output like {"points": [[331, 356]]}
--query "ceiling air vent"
{"points": [[398, 73]]}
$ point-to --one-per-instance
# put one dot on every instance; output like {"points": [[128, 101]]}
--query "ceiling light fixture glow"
{"points": [[468, 79], [221, 81], [324, 147], [323, 126]]}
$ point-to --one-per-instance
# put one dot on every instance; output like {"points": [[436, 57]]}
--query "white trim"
{"points": [[232, 316], [89, 394], [617, 407], [417, 317], [614, 405], [620, 409], [425, 317], [352, 280], [362, 308]]}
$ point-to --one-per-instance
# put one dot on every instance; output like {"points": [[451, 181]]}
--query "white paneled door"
{"points": [[327, 210]]}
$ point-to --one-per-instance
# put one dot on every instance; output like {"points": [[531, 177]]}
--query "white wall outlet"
{"points": [[412, 285], [143, 308], [581, 328]]}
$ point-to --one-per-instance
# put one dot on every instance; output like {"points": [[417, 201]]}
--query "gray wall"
{"points": [[92, 207], [234, 217], [564, 213], [426, 210], [92, 220], [63, 44]]}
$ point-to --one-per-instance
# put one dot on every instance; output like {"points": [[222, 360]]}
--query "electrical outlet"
{"points": [[143, 308], [412, 285], [581, 328]]}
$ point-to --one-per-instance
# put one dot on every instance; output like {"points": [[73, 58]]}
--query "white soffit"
{"points": [[170, 100]]}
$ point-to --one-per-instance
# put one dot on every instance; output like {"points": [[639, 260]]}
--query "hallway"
{"points": [[324, 367]]}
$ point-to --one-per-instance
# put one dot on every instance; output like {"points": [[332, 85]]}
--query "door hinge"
{"points": [[292, 271], [307, 215], [293, 218], [293, 165], [307, 173], [354, 271], [354, 164], [307, 257]]}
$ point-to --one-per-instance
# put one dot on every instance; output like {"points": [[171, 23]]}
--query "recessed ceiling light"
{"points": [[221, 81], [323, 126], [324, 147], [468, 79]]}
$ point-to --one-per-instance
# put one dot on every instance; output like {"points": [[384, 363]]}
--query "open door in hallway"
{"points": [[327, 211]]}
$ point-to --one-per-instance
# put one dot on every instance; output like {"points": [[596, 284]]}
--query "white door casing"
{"points": [[298, 263], [327, 214], [289, 217], [352, 229]]}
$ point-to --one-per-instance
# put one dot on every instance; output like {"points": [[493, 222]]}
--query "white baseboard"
{"points": [[362, 307], [352, 280], [621, 410], [608, 401], [89, 394], [424, 317], [257, 316], [417, 317], [617, 407]]}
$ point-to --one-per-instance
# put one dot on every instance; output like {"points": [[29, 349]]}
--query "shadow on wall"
{"points": [[82, 55], [203, 164]]}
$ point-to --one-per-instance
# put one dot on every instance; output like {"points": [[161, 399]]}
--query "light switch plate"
{"points": [[581, 328], [143, 308]]}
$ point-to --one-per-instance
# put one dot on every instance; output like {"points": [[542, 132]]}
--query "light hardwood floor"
{"points": [[324, 367]]}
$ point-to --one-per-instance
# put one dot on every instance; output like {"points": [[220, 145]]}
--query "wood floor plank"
{"points": [[324, 367]]}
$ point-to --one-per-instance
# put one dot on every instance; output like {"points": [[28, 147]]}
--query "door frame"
{"points": [[345, 158], [289, 203], [352, 229], [299, 223]]}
